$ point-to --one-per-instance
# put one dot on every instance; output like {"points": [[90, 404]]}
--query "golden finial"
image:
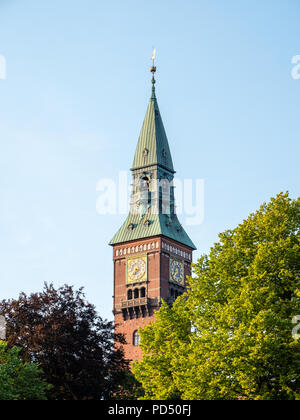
{"points": [[153, 68]]}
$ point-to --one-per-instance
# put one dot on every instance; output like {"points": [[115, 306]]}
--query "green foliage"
{"points": [[159, 341], [74, 347], [19, 380], [230, 336], [129, 389]]}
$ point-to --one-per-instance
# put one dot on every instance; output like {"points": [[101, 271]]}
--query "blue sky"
{"points": [[72, 106]]}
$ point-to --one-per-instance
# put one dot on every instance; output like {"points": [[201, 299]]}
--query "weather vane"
{"points": [[153, 68]]}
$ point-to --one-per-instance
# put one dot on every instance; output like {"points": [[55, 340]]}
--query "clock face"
{"points": [[136, 269], [177, 271]]}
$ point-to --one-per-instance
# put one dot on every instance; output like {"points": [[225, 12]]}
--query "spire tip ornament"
{"points": [[153, 71], [153, 68]]}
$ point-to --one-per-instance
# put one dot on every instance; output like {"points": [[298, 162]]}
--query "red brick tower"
{"points": [[152, 253]]}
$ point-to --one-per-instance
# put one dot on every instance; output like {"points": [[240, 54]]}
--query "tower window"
{"points": [[145, 190], [130, 226], [143, 292], [136, 338], [129, 294], [136, 293], [144, 186]]}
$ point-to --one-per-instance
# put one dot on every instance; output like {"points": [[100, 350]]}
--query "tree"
{"points": [[19, 380], [129, 388], [79, 353], [230, 335]]}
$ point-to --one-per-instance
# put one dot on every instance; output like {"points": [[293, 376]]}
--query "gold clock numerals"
{"points": [[136, 269], [177, 271]]}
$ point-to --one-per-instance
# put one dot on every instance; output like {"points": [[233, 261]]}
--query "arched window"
{"points": [[145, 191], [129, 294], [136, 338], [144, 185], [136, 293], [143, 292]]}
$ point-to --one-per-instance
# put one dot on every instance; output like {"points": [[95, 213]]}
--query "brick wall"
{"points": [[158, 251]]}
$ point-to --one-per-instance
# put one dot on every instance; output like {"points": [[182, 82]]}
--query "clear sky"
{"points": [[72, 106]]}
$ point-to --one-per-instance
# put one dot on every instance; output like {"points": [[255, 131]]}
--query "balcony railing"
{"points": [[134, 302], [144, 301]]}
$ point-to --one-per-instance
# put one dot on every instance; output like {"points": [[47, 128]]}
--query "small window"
{"points": [[136, 338], [129, 294], [136, 293], [144, 184], [130, 226], [143, 292]]}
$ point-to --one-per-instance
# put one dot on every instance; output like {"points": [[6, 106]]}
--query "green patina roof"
{"points": [[159, 225], [153, 147]]}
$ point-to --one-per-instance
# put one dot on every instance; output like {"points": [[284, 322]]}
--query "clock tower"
{"points": [[152, 253]]}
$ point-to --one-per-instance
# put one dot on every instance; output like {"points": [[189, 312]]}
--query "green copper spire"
{"points": [[152, 161], [153, 147]]}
